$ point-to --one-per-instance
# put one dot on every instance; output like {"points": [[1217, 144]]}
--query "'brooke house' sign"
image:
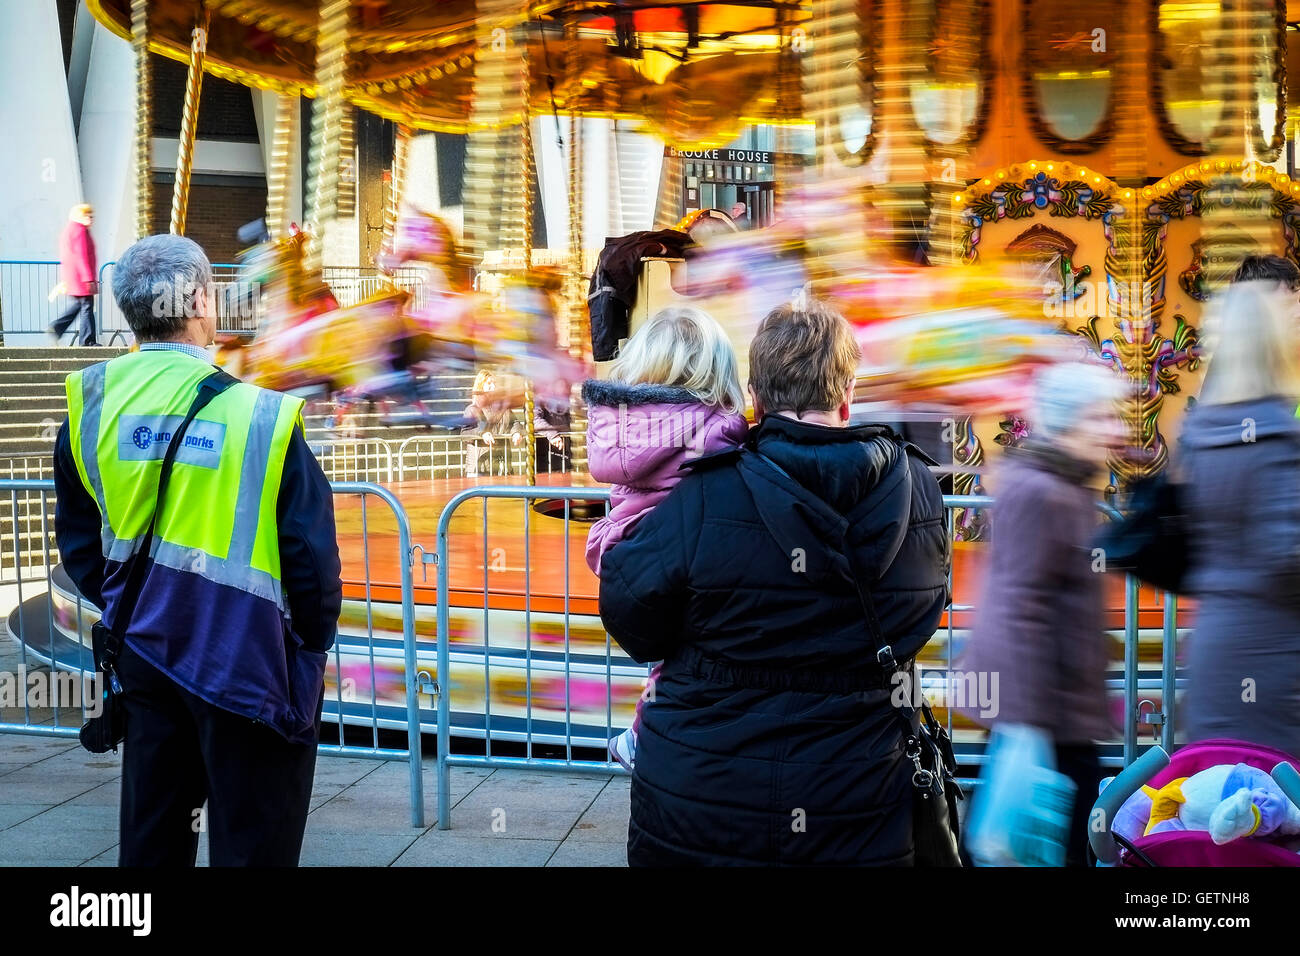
{"points": [[758, 157]]}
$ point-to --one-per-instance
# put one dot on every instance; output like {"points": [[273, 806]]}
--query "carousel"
{"points": [[1087, 174]]}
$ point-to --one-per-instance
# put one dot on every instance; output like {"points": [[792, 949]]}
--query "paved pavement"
{"points": [[59, 807]]}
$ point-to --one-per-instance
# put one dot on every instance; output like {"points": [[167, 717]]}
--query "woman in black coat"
{"points": [[777, 584]]}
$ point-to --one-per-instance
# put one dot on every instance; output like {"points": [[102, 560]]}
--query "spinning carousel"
{"points": [[1090, 149]]}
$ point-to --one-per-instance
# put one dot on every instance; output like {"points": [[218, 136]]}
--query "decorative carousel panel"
{"points": [[1195, 44], [951, 101], [1069, 69]]}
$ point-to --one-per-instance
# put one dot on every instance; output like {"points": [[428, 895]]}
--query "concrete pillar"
{"points": [[264, 102], [106, 142], [39, 164]]}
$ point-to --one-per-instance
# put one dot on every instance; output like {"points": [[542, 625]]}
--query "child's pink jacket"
{"points": [[638, 437]]}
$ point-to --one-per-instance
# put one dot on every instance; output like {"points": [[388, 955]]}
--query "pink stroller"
{"points": [[1156, 768]]}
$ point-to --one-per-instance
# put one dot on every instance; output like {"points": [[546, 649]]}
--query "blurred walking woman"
{"points": [[1239, 463], [1040, 627]]}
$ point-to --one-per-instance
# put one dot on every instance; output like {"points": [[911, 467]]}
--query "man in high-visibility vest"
{"points": [[225, 651]]}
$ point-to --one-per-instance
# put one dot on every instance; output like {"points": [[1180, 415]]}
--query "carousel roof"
{"points": [[414, 61]]}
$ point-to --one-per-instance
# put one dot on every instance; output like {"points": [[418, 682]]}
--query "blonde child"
{"points": [[673, 395]]}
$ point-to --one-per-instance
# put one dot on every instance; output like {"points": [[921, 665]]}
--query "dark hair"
{"points": [[1269, 269], [802, 358]]}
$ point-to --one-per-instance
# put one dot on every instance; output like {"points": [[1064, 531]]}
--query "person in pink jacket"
{"points": [[77, 273], [673, 394]]}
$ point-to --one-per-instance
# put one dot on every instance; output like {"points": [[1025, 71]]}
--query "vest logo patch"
{"points": [[146, 437]]}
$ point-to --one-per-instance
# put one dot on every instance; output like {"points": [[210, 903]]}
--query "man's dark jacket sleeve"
{"points": [[309, 554], [309, 551], [76, 524]]}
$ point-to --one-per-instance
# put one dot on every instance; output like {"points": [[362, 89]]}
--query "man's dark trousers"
{"points": [[180, 751], [83, 305]]}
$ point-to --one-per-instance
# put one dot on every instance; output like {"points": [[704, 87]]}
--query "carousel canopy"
{"points": [[413, 61]]}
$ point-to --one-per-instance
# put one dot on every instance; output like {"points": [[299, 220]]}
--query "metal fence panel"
{"points": [[26, 306], [1130, 682], [446, 759], [25, 286], [355, 459], [51, 625]]}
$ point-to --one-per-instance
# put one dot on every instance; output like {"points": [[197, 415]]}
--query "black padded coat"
{"points": [[768, 586]]}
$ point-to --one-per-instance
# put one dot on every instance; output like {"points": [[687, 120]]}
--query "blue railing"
{"points": [[26, 305]]}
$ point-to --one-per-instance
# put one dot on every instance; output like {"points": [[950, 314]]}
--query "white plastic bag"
{"points": [[1020, 814]]}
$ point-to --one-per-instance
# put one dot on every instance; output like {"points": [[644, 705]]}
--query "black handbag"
{"points": [[105, 731], [936, 831], [1151, 540]]}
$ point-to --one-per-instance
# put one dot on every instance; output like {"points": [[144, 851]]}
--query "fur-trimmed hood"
{"points": [[612, 394]]}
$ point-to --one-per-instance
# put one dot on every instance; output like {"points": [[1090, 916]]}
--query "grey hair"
{"points": [[156, 284], [1064, 393]]}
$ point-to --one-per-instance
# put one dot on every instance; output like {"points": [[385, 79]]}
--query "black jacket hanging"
{"points": [[613, 285]]}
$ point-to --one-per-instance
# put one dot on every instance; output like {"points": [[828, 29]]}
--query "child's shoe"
{"points": [[623, 749]]}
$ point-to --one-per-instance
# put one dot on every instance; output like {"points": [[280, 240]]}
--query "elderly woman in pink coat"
{"points": [[77, 272]]}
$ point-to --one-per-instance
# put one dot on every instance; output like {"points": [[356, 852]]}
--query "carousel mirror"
{"points": [[947, 99], [1183, 48], [1193, 51], [1069, 70]]}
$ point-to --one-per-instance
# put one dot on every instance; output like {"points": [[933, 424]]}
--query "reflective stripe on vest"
{"points": [[219, 517]]}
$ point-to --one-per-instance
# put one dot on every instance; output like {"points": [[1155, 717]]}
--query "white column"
{"points": [[38, 162], [553, 178], [420, 190], [106, 143], [264, 108]]}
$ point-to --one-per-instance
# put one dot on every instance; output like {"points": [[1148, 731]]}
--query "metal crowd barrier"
{"points": [[446, 759], [1130, 682], [355, 459], [25, 285], [421, 457], [52, 627], [353, 284]]}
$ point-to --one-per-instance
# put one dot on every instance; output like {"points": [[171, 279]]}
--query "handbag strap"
{"points": [[208, 389]]}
